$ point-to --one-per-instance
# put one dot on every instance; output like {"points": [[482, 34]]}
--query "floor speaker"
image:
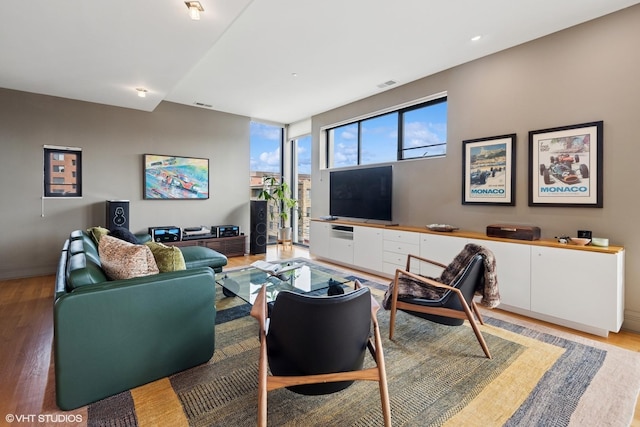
{"points": [[117, 214], [258, 234]]}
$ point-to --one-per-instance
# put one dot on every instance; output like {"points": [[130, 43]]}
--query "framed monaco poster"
{"points": [[488, 169], [565, 166]]}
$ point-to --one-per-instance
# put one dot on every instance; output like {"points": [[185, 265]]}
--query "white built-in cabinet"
{"points": [[583, 287], [438, 247], [321, 235], [341, 243], [397, 245], [576, 287], [513, 264], [367, 248]]}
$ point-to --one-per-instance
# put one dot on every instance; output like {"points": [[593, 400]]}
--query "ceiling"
{"points": [[241, 56]]}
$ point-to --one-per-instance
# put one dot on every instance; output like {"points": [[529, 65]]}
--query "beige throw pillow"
{"points": [[124, 260], [168, 258]]}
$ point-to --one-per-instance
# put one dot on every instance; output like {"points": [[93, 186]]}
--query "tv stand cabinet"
{"points": [[573, 286], [228, 246]]}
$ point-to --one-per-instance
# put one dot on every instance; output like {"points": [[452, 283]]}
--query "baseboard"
{"points": [[21, 273], [631, 321]]}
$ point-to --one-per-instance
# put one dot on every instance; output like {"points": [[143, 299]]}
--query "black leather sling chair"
{"points": [[316, 345], [452, 308]]}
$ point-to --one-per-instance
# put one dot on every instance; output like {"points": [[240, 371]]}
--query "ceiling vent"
{"points": [[202, 104], [387, 84]]}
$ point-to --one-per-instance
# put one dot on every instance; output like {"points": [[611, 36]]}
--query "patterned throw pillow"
{"points": [[168, 258], [124, 260]]}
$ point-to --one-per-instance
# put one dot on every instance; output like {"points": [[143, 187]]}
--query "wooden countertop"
{"points": [[476, 235]]}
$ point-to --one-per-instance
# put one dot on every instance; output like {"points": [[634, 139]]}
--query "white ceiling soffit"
{"points": [[101, 51], [241, 56]]}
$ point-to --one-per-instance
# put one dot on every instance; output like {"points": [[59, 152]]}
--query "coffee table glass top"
{"points": [[245, 283]]}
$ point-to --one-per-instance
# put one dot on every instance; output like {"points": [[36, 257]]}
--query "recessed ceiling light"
{"points": [[142, 93], [476, 38], [194, 9], [294, 74]]}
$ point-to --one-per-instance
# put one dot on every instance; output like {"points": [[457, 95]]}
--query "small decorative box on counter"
{"points": [[518, 232]]}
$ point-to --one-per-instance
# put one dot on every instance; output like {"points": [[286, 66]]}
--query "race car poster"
{"points": [[174, 177], [565, 166], [489, 170]]}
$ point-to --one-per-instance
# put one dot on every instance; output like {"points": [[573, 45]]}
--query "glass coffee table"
{"points": [[245, 283]]}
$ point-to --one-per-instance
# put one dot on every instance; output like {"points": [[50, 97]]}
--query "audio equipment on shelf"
{"points": [[192, 233], [225, 230], [165, 234]]}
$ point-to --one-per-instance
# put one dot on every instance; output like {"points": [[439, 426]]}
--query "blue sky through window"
{"points": [[304, 155], [265, 147], [424, 126]]}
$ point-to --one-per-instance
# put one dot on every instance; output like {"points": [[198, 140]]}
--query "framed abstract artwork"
{"points": [[175, 177]]}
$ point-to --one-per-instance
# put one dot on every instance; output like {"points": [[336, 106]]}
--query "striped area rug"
{"points": [[437, 375]]}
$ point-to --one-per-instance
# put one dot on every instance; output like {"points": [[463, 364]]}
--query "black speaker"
{"points": [[117, 214], [258, 233]]}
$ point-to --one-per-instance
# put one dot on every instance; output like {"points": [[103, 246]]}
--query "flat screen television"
{"points": [[364, 193]]}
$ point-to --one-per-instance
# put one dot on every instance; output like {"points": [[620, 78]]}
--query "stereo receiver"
{"points": [[165, 234], [226, 230]]}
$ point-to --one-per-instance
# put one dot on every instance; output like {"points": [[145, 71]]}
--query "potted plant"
{"points": [[280, 193]]}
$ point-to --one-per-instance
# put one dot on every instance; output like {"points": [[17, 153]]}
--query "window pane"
{"points": [[62, 173], [424, 131], [303, 154], [344, 140], [265, 145], [379, 139]]}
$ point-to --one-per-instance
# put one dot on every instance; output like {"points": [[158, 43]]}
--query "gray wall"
{"points": [[583, 74], [113, 141]]}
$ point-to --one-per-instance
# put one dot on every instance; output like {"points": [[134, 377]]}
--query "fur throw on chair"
{"points": [[487, 288]]}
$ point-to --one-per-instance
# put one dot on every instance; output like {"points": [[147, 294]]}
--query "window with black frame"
{"points": [[62, 171], [411, 132]]}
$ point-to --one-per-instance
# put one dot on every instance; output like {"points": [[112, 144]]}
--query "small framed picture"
{"points": [[565, 166], [488, 170]]}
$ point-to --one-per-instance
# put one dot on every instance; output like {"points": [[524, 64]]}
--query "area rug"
{"points": [[437, 375]]}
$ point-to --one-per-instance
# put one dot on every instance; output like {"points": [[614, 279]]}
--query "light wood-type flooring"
{"points": [[26, 333]]}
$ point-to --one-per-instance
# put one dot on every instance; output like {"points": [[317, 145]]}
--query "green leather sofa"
{"points": [[111, 336]]}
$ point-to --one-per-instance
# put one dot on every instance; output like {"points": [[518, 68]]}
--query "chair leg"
{"points": [[262, 383], [476, 310], [392, 320], [480, 338], [382, 379], [394, 301], [473, 323]]}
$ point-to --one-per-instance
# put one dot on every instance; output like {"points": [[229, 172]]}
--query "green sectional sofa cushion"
{"points": [[114, 335]]}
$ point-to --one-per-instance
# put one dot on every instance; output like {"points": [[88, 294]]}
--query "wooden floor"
{"points": [[26, 334]]}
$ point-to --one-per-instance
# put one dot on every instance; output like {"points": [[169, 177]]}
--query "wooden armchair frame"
{"points": [[440, 311], [268, 382]]}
